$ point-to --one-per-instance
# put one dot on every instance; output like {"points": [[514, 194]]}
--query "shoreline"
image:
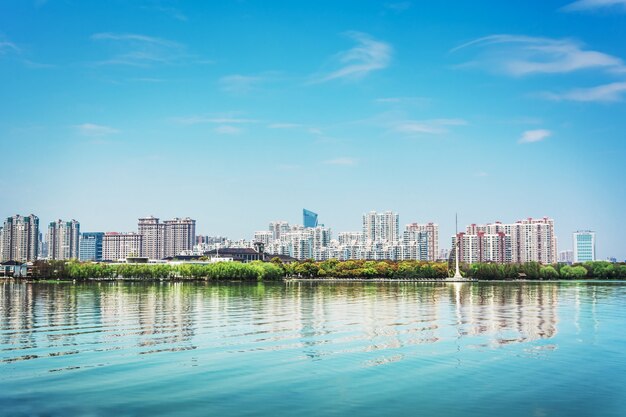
{"points": [[306, 280]]}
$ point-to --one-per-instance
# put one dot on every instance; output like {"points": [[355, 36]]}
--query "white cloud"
{"points": [[283, 126], [239, 84], [91, 129], [432, 127], [583, 5], [228, 130], [344, 161], [531, 136], [516, 55], [602, 93], [140, 50], [367, 56], [215, 119], [8, 47], [481, 174]]}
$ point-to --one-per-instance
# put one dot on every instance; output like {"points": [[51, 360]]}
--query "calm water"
{"points": [[360, 349]]}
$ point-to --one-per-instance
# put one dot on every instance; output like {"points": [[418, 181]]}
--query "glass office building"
{"points": [[91, 246], [309, 219]]}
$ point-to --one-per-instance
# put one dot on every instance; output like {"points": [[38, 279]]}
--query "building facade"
{"points": [[584, 246], [168, 238], [91, 246], [119, 246], [529, 240], [20, 239], [63, 239], [426, 236], [381, 227]]}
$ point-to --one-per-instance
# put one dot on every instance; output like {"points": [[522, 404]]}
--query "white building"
{"points": [[119, 246], [381, 227], [63, 239], [584, 246], [427, 236], [566, 257]]}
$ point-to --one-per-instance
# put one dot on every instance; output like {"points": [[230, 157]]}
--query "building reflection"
{"points": [[316, 320]]}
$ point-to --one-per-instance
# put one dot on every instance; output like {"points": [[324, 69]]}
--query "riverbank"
{"points": [[324, 270]]}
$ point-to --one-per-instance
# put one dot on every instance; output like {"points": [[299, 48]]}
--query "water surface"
{"points": [[361, 349]]}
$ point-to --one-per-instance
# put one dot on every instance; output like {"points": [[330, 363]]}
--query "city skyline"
{"points": [[236, 114]]}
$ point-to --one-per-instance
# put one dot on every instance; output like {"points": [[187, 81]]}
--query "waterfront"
{"points": [[313, 348]]}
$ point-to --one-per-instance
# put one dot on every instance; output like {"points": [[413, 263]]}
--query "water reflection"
{"points": [[314, 320]]}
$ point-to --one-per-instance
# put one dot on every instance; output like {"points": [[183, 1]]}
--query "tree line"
{"points": [[352, 269]]}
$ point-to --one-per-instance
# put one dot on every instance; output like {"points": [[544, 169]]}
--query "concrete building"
{"points": [[20, 238], [168, 238], [566, 257], [426, 235], [529, 240], [381, 227], [119, 246], [63, 239], [584, 246], [91, 246], [278, 228], [264, 236]]}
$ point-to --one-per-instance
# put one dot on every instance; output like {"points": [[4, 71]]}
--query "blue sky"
{"points": [[237, 113]]}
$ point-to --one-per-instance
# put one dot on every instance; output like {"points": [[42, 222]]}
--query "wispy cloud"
{"points": [[518, 56], [585, 5], [91, 129], [239, 84], [141, 50], [284, 126], [214, 119], [368, 55], [7, 47], [399, 6], [605, 93], [228, 130], [170, 11], [531, 136], [481, 174], [431, 127], [343, 161], [402, 100]]}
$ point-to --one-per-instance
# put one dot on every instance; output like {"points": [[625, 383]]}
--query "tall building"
{"points": [[566, 257], [381, 227], [20, 238], [309, 218], [63, 239], [118, 246], [180, 235], [153, 234], [168, 238], [530, 240], [426, 234], [278, 229], [264, 236], [584, 246], [91, 246]]}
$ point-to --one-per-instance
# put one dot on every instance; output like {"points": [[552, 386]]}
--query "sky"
{"points": [[240, 112]]}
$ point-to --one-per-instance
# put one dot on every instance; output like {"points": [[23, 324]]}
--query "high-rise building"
{"points": [[263, 236], [91, 246], [180, 234], [530, 240], [279, 228], [20, 238], [166, 239], [153, 234], [119, 246], [584, 246], [63, 239], [425, 234], [566, 257], [309, 218], [381, 227]]}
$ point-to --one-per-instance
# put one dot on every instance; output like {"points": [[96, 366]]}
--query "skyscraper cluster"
{"points": [[523, 241], [379, 239]]}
